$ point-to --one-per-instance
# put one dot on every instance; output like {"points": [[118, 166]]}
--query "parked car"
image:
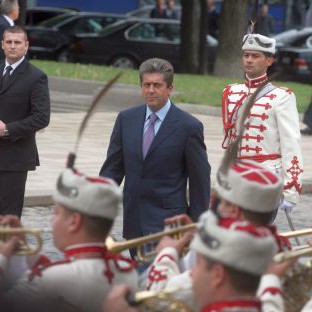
{"points": [[293, 38], [146, 10], [129, 42], [36, 15], [301, 37], [50, 39], [295, 63]]}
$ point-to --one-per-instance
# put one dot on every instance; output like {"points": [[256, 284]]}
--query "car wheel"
{"points": [[124, 62], [62, 56]]}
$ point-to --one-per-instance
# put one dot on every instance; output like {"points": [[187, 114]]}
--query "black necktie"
{"points": [[6, 74]]}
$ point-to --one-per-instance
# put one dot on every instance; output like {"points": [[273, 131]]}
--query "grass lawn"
{"points": [[204, 90]]}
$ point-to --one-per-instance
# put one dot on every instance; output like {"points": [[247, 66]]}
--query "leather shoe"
{"points": [[306, 131]]}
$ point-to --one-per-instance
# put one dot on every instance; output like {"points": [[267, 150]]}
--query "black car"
{"points": [[294, 54], [299, 37], [145, 11], [36, 15], [51, 38], [129, 42], [296, 63]]}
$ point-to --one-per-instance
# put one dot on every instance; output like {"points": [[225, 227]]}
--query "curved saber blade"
{"points": [[91, 110]]}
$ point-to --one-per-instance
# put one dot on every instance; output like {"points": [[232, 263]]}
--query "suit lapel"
{"points": [[136, 126], [18, 72], [1, 73], [167, 128]]}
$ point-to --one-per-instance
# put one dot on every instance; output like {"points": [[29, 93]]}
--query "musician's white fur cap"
{"points": [[250, 186], [97, 197], [256, 42], [235, 243]]}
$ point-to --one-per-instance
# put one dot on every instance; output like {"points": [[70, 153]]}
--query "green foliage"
{"points": [[196, 89]]}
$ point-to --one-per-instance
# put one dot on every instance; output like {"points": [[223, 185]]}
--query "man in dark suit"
{"points": [[24, 109], [9, 10], [159, 10], [156, 183]]}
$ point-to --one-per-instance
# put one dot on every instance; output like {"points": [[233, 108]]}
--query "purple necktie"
{"points": [[149, 134]]}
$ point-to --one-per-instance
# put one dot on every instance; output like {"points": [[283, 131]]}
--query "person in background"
{"points": [[24, 109], [9, 10], [213, 19], [308, 17], [171, 12], [159, 11], [265, 22]]}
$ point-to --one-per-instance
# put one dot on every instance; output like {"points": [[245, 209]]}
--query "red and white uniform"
{"points": [[165, 273], [271, 135], [244, 304], [82, 280]]}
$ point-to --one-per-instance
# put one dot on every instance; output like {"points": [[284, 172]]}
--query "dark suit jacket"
{"points": [[3, 25], [155, 188], [24, 108]]}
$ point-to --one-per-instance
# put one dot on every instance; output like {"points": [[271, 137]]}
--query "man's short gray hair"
{"points": [[7, 6], [157, 65]]}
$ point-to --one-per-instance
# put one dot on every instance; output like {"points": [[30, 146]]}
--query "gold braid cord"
{"points": [[297, 286]]}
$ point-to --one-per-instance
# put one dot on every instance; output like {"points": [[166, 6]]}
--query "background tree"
{"points": [[22, 13], [190, 35], [203, 56], [233, 26]]}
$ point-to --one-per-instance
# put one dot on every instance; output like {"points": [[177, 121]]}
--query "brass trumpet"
{"points": [[168, 300], [289, 254], [140, 242], [23, 247], [297, 233]]}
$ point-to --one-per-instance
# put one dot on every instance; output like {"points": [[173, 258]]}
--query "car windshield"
{"points": [[156, 32], [113, 27], [54, 20]]}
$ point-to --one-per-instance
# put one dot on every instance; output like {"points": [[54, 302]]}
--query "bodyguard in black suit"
{"points": [[155, 185], [24, 109]]}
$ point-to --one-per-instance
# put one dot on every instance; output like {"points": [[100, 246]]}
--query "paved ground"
{"points": [[70, 99], [68, 110], [40, 217]]}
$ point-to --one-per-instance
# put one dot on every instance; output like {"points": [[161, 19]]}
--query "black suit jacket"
{"points": [[3, 25], [155, 187], [25, 109]]}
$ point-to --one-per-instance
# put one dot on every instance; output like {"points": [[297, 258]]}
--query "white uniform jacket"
{"points": [[80, 282], [271, 135], [3, 265], [164, 273]]}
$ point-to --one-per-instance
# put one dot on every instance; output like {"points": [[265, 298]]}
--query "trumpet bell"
{"points": [[169, 300], [29, 243]]}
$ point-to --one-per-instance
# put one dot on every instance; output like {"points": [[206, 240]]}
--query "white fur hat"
{"points": [[235, 243], [97, 197], [250, 186], [256, 42]]}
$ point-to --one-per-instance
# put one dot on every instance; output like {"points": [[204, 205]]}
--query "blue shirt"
{"points": [[161, 114]]}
